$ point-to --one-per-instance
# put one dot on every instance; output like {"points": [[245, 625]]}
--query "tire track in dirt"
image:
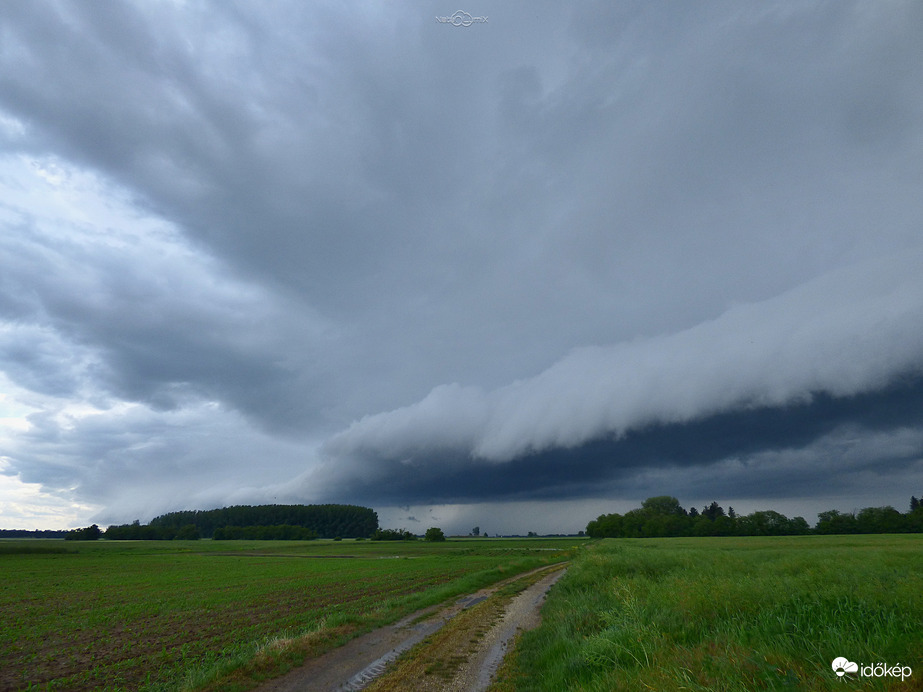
{"points": [[522, 614], [369, 660]]}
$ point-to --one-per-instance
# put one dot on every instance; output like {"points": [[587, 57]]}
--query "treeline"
{"points": [[136, 531], [324, 521], [663, 516], [870, 520], [25, 533], [90, 533]]}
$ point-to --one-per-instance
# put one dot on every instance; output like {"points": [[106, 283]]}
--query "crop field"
{"points": [[178, 615], [713, 614], [630, 614]]}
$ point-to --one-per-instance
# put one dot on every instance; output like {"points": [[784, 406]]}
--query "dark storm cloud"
{"points": [[614, 224], [804, 449], [843, 334]]}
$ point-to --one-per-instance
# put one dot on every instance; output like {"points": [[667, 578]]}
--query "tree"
{"points": [[799, 526], [880, 520], [476, 531], [832, 521], [605, 526], [90, 533], [713, 511], [725, 526], [702, 526], [434, 534], [663, 504], [765, 523], [189, 532], [633, 523], [914, 518]]}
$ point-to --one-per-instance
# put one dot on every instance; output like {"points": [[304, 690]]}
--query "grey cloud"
{"points": [[333, 182], [594, 218], [842, 334], [128, 458], [39, 360], [134, 310], [822, 447]]}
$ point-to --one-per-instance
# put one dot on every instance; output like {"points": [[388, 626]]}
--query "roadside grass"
{"points": [[174, 615], [728, 614]]}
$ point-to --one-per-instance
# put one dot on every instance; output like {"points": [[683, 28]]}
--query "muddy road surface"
{"points": [[458, 646]]}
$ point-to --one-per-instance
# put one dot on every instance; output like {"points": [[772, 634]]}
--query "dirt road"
{"points": [[454, 647]]}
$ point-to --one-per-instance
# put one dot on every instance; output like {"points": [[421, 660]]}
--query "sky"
{"points": [[502, 264]]}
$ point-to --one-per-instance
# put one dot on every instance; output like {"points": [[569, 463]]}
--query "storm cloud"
{"points": [[571, 254], [771, 374]]}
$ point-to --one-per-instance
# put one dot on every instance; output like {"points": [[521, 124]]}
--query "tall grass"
{"points": [[729, 614]]}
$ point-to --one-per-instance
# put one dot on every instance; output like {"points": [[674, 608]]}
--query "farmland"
{"points": [[730, 614], [173, 615]]}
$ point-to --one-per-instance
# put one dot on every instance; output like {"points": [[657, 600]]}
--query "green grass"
{"points": [[728, 614], [180, 615]]}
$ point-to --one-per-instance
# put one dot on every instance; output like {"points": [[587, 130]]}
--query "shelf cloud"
{"points": [[855, 333]]}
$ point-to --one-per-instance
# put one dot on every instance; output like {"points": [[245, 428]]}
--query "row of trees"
{"points": [[90, 533], [27, 533], [136, 531], [280, 532], [327, 521], [664, 516], [870, 520]]}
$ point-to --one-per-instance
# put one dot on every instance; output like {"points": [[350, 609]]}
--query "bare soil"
{"points": [[458, 646]]}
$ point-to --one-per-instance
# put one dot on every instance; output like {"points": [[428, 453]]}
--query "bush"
{"points": [[434, 534], [393, 535]]}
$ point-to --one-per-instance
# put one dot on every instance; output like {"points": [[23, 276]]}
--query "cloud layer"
{"points": [[347, 252], [852, 333]]}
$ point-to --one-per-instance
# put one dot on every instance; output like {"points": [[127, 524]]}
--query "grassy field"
{"points": [[730, 614], [177, 615]]}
